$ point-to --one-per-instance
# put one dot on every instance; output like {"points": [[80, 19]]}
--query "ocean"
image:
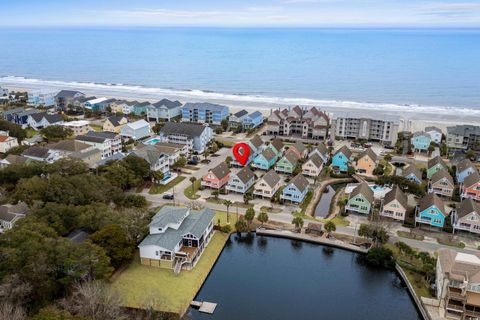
{"points": [[421, 70]]}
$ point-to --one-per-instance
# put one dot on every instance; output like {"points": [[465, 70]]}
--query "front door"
{"points": [[189, 242]]}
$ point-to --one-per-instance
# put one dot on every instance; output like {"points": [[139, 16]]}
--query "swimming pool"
{"points": [[153, 140]]}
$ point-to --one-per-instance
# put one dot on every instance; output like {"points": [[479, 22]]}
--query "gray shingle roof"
{"points": [[369, 152], [468, 206], [191, 130], [464, 164], [67, 94], [316, 160], [300, 182], [37, 152], [292, 158], [396, 194], [277, 144], [148, 152], [471, 179], [271, 178], [433, 128], [245, 174], [14, 159], [322, 148], [431, 199], [299, 147], [346, 152], [441, 174], [256, 141], [365, 190], [412, 169], [434, 161], [268, 154], [221, 171], [196, 222], [241, 113], [167, 104], [69, 145], [115, 120], [205, 106]]}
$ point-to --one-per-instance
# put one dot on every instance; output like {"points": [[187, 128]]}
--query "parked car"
{"points": [[192, 162], [168, 196]]}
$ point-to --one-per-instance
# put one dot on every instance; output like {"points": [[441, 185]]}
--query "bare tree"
{"points": [[95, 300], [11, 312], [14, 291]]}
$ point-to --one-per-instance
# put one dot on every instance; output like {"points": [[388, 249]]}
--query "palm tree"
{"points": [[215, 194], [192, 180], [298, 222], [227, 203], [330, 227], [262, 217], [249, 216]]}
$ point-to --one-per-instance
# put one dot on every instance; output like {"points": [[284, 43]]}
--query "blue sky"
{"points": [[281, 13]]}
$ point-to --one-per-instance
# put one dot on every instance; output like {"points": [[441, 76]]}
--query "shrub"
{"points": [[226, 228], [380, 257]]}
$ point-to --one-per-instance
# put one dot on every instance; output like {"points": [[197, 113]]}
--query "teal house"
{"points": [[265, 160], [341, 159], [431, 211], [420, 141], [361, 199], [434, 165], [141, 108], [287, 163], [277, 146]]}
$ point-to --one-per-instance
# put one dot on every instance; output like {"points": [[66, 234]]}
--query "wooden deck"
{"points": [[203, 306]]}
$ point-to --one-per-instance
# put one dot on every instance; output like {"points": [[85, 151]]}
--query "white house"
{"points": [[41, 98], [164, 110], [241, 181], [10, 214], [435, 133], [41, 154], [78, 127], [177, 239], [109, 143], [313, 166], [7, 142], [268, 185], [42, 120], [157, 160], [195, 136], [136, 130]]}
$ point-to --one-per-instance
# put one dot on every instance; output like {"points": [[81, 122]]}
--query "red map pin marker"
{"points": [[241, 152]]}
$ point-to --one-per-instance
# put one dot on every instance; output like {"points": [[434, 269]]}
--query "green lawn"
{"points": [[222, 216], [226, 142], [192, 194], [270, 209], [338, 220], [163, 188], [409, 235], [451, 243], [30, 132], [139, 284], [96, 127]]}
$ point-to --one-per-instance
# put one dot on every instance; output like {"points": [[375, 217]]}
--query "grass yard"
{"points": [[164, 188], [192, 193], [409, 235], [338, 220], [270, 209], [451, 243], [96, 127], [139, 285], [30, 132], [222, 217], [226, 142]]}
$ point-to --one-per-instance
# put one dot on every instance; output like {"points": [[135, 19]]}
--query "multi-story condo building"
{"points": [[458, 284], [204, 113], [109, 143], [306, 123], [195, 136], [41, 98], [65, 98], [384, 131], [463, 137]]}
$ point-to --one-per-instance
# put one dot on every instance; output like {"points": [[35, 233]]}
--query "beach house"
{"points": [[157, 160], [66, 98], [412, 173], [41, 98], [434, 165], [463, 169], [268, 185], [435, 133], [12, 159], [313, 166], [217, 177], [287, 163], [366, 162], [97, 104], [431, 211], [341, 159], [442, 184], [470, 188], [256, 145], [140, 109], [394, 204], [10, 214], [467, 216], [252, 120], [18, 116], [236, 119], [299, 149], [177, 238], [322, 151], [41, 120], [241, 181], [265, 160], [136, 130], [164, 110], [115, 123], [41, 154], [204, 113], [77, 126], [420, 141], [67, 147], [195, 136], [7, 142], [277, 146], [109, 143], [361, 199], [296, 190], [128, 106]]}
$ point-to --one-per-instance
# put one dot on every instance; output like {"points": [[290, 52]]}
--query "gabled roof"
{"points": [[277, 144], [345, 151], [240, 113], [468, 206], [291, 157], [138, 124], [268, 154], [19, 208], [85, 154], [322, 148], [190, 130], [4, 138], [167, 104], [396, 194], [412, 169], [149, 153], [205, 106], [256, 114], [96, 137], [36, 152], [369, 153], [300, 182], [471, 179], [143, 104], [245, 174], [51, 118], [464, 164], [115, 120], [299, 147], [442, 174], [14, 159], [168, 215], [421, 134], [434, 161], [271, 178], [431, 199], [316, 160], [365, 190], [220, 171], [67, 94], [256, 141], [433, 128], [69, 145]]}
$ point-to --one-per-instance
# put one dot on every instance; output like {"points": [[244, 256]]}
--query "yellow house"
{"points": [[114, 124], [367, 162]]}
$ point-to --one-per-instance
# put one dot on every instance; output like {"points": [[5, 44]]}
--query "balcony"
{"points": [[456, 293]]}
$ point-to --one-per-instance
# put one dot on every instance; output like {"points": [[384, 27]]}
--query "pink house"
{"points": [[217, 177]]}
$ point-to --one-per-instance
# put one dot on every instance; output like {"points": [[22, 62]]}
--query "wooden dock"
{"points": [[203, 306]]}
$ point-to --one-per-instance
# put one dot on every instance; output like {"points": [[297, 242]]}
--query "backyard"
{"points": [[191, 192], [156, 189], [142, 286]]}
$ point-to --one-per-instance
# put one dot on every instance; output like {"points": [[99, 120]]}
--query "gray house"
{"points": [[195, 136], [165, 110]]}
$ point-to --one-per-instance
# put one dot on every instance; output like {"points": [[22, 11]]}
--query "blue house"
{"points": [[204, 113], [296, 190], [97, 104], [19, 116], [431, 211], [420, 141], [141, 108], [464, 169], [253, 120], [265, 160], [341, 159], [413, 174]]}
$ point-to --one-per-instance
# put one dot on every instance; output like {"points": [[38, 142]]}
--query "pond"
{"points": [[323, 206], [259, 277]]}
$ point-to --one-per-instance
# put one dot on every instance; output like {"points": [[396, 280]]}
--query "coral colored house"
{"points": [[471, 187], [217, 177]]}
